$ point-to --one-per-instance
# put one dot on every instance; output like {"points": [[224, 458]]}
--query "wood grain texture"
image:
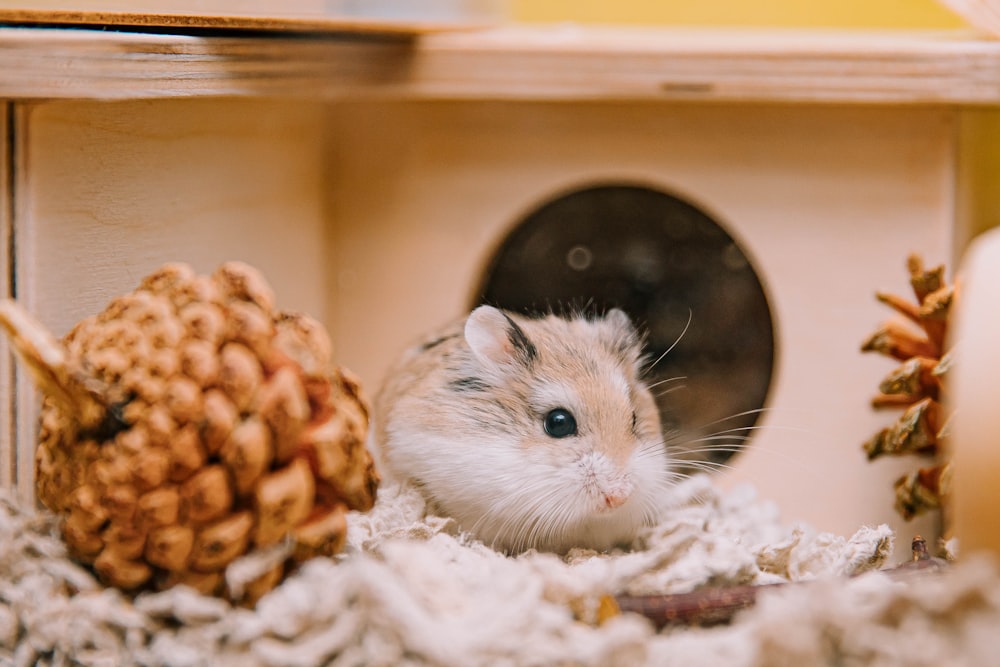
{"points": [[526, 63], [84, 64], [314, 21], [8, 453], [712, 65]]}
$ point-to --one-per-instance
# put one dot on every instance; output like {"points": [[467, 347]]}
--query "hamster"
{"points": [[530, 432]]}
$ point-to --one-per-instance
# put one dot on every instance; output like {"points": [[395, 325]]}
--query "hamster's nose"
{"points": [[617, 494], [615, 500]]}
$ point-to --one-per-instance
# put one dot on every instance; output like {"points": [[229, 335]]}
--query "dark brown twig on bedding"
{"points": [[716, 606]]}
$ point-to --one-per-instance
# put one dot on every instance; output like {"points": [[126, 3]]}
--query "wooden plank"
{"points": [[25, 409], [8, 460], [27, 399], [521, 63], [711, 65], [37, 63], [302, 21]]}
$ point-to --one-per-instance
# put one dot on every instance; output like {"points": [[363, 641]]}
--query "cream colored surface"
{"points": [[976, 443], [827, 201], [107, 192]]}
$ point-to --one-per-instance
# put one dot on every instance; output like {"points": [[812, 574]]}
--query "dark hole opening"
{"points": [[661, 260]]}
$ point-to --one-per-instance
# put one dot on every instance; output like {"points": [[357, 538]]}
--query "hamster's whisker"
{"points": [[526, 523], [676, 477], [741, 439], [642, 457], [495, 509], [687, 455], [745, 413], [712, 449], [674, 344], [698, 462], [678, 440], [716, 443], [671, 390], [652, 507], [731, 446], [807, 430], [665, 381], [764, 427], [512, 523], [720, 443], [653, 453], [708, 466], [532, 521], [559, 516], [536, 528]]}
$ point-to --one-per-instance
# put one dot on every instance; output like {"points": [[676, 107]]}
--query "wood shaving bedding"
{"points": [[412, 590]]}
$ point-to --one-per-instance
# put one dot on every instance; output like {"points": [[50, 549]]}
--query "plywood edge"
{"points": [[517, 62], [8, 448], [89, 64], [26, 399], [315, 22], [828, 66]]}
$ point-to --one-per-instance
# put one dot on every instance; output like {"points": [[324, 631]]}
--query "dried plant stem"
{"points": [[76, 393], [715, 606]]}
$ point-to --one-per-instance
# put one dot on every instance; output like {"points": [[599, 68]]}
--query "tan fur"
{"points": [[465, 424]]}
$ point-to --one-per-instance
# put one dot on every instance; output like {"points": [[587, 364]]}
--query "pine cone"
{"points": [[190, 423], [916, 385]]}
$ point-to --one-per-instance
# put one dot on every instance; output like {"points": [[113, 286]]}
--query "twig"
{"points": [[715, 606]]}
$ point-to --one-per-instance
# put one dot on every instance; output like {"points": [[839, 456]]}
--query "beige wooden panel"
{"points": [[109, 191], [827, 200], [8, 457], [87, 64], [517, 62]]}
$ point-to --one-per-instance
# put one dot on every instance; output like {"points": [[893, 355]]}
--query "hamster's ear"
{"points": [[495, 338], [620, 332], [619, 319]]}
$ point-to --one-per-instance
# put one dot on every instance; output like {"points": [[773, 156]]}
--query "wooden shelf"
{"points": [[225, 16], [307, 22], [525, 63]]}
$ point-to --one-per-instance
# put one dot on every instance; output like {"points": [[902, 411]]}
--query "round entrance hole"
{"points": [[662, 260]]}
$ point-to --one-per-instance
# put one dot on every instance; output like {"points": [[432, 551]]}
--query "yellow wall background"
{"points": [[780, 13]]}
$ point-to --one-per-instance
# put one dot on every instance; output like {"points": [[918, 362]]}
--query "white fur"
{"points": [[513, 500], [482, 456]]}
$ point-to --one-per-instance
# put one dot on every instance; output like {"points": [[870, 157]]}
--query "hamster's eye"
{"points": [[559, 423]]}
